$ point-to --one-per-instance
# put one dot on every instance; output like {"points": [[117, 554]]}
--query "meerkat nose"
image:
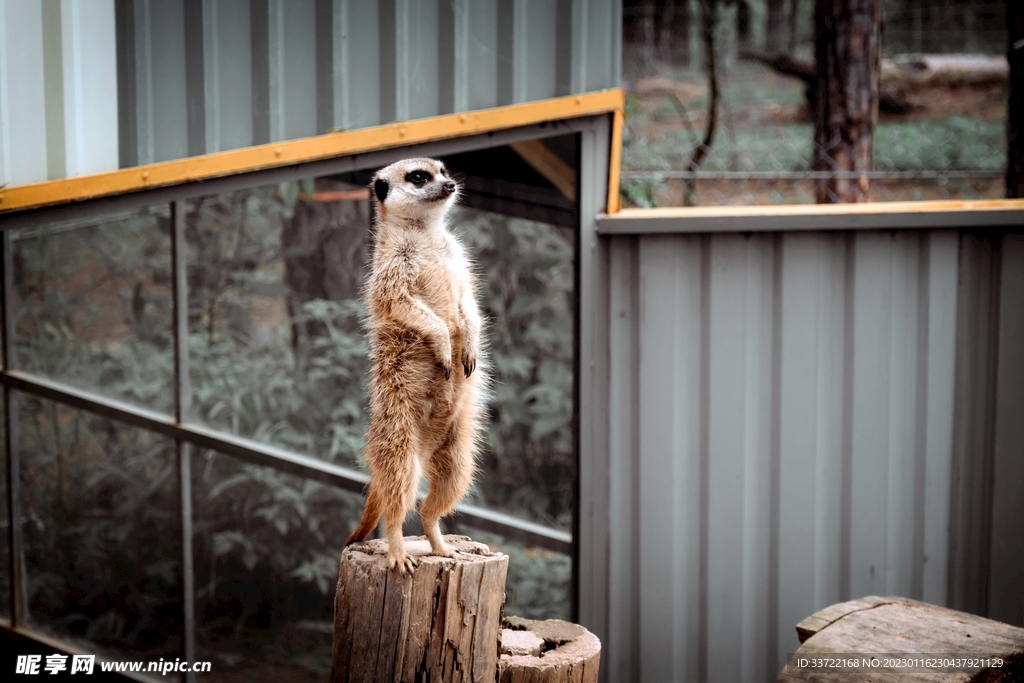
{"points": [[449, 187]]}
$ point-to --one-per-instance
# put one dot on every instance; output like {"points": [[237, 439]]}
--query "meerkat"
{"points": [[426, 417]]}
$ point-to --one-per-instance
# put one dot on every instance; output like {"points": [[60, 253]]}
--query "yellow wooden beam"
{"points": [[307, 149], [615, 163], [549, 165]]}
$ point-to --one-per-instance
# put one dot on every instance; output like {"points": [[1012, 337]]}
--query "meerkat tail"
{"points": [[371, 516]]}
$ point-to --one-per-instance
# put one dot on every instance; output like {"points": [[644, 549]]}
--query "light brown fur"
{"points": [[426, 417]]}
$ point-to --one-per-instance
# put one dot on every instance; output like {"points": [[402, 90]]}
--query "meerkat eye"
{"points": [[418, 178]]}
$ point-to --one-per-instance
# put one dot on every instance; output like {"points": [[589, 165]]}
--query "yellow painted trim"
{"points": [[867, 208], [549, 165], [307, 149], [615, 163]]}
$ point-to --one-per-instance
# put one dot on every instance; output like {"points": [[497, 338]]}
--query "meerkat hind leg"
{"points": [[450, 470]]}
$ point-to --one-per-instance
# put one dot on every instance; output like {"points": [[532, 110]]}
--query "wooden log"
{"points": [[551, 651], [908, 640], [441, 623]]}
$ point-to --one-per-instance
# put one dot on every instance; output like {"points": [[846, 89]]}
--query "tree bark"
{"points": [[793, 30], [1015, 113], [848, 56], [679, 33], [441, 623], [708, 16], [743, 22], [773, 25], [325, 243]]}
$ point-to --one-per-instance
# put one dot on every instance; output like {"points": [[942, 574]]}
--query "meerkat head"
{"points": [[414, 189]]}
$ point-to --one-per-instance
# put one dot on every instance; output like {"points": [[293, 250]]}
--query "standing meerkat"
{"points": [[426, 410]]}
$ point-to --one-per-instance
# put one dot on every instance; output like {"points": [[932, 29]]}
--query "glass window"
{"points": [[92, 304], [101, 529], [276, 349], [267, 546], [277, 354]]}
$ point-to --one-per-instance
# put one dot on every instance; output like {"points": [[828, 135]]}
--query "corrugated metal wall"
{"points": [[798, 419], [90, 85]]}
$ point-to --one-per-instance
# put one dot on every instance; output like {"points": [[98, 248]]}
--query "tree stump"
{"points": [[904, 639], [440, 623], [549, 651]]}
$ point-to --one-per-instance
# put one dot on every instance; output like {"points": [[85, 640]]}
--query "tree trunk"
{"points": [[743, 22], [794, 26], [773, 26], [708, 17], [848, 55], [679, 33], [441, 623], [1015, 115], [325, 243]]}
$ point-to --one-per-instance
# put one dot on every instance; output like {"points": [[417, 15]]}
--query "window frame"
{"points": [[594, 182]]}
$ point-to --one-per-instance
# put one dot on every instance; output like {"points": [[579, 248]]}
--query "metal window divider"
{"points": [[16, 557], [182, 404]]}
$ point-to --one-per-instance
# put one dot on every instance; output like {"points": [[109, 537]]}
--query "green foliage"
{"points": [[101, 532], [526, 273]]}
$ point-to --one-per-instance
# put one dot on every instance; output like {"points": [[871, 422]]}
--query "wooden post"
{"points": [[903, 639], [549, 651], [440, 623]]}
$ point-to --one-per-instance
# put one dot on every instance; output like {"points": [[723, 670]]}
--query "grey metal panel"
{"points": [[416, 59], [781, 439], [227, 65], [160, 80], [601, 44], [1006, 580], [592, 522], [974, 416], [619, 662], [477, 67], [670, 469], [22, 95], [292, 60], [942, 312], [872, 341], [357, 79], [540, 79], [811, 339], [53, 87], [201, 76], [90, 87]]}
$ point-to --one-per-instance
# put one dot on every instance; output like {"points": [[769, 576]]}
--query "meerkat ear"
{"points": [[380, 188]]}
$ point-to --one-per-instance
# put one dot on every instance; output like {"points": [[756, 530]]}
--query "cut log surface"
{"points": [[921, 642], [441, 623], [550, 651]]}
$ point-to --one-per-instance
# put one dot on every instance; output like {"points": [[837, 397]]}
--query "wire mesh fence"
{"points": [[941, 131]]}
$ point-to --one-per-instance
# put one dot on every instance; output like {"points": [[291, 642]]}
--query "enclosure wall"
{"points": [[798, 419], [94, 86]]}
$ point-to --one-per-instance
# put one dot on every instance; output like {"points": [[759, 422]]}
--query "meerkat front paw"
{"points": [[444, 358], [468, 361], [403, 561]]}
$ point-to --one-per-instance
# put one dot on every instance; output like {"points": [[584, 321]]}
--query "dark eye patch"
{"points": [[418, 177]]}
